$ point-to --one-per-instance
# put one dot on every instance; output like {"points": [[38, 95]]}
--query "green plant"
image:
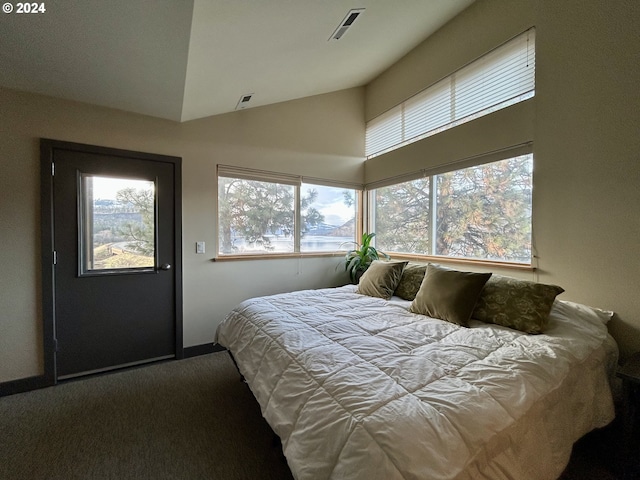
{"points": [[357, 260]]}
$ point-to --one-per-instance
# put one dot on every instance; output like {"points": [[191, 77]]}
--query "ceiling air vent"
{"points": [[346, 23], [244, 101]]}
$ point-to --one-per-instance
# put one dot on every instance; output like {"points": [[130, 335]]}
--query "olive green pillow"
{"points": [[381, 279], [518, 304], [448, 294], [412, 277]]}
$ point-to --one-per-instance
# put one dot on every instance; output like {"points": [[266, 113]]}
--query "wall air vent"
{"points": [[244, 101], [346, 23]]}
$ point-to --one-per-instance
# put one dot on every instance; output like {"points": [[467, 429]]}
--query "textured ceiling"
{"points": [[186, 59]]}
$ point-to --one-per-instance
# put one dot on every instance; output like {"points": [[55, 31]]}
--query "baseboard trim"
{"points": [[41, 381], [23, 385], [203, 349]]}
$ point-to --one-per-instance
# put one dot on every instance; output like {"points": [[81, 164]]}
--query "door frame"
{"points": [[47, 173]]}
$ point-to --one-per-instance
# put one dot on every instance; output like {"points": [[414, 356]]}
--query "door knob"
{"points": [[165, 266]]}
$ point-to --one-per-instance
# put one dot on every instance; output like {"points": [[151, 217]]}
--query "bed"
{"points": [[358, 386]]}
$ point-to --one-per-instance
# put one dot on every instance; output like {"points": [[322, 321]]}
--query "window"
{"points": [[402, 216], [117, 228], [502, 77], [328, 218], [254, 216], [261, 213], [478, 212]]}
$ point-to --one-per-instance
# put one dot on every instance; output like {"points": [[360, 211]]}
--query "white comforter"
{"points": [[359, 388]]}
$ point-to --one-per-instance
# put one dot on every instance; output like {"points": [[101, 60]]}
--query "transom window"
{"points": [[500, 78]]}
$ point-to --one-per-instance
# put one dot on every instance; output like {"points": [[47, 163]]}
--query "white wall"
{"points": [[319, 136]]}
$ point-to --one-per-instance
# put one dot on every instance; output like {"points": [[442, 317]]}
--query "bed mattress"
{"points": [[358, 387]]}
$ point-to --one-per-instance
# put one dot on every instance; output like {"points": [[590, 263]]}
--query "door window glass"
{"points": [[118, 224]]}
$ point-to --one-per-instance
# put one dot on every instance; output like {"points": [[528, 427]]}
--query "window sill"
{"points": [[394, 256], [462, 261], [273, 256]]}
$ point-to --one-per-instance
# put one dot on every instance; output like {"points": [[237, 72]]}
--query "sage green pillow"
{"points": [[412, 277], [448, 294], [518, 304], [381, 279]]}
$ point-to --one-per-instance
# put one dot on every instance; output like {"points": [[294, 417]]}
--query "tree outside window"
{"points": [[481, 212], [258, 217]]}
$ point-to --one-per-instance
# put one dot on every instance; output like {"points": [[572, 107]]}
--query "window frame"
{"points": [[478, 161], [297, 182], [85, 216]]}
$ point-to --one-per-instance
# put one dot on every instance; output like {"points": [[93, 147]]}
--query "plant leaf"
{"points": [[354, 264], [360, 258]]}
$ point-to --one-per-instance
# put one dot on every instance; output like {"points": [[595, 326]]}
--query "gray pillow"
{"points": [[412, 277], [381, 279], [448, 294], [518, 304]]}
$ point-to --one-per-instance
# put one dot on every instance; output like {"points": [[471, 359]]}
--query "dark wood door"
{"points": [[115, 256]]}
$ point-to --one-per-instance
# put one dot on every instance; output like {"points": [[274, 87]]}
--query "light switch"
{"points": [[199, 247]]}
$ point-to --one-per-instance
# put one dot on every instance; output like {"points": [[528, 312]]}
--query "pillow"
{"points": [[412, 277], [518, 304], [583, 312], [381, 279], [448, 294]]}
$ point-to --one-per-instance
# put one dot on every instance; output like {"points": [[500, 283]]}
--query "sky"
{"points": [[105, 188], [330, 203]]}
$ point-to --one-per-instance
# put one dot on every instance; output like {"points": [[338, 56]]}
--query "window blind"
{"points": [[257, 175], [474, 161], [502, 77], [283, 178]]}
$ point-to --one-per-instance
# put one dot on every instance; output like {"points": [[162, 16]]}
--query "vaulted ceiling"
{"points": [[188, 59]]}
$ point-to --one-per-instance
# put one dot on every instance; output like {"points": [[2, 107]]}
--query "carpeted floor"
{"points": [[190, 419], [594, 457]]}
